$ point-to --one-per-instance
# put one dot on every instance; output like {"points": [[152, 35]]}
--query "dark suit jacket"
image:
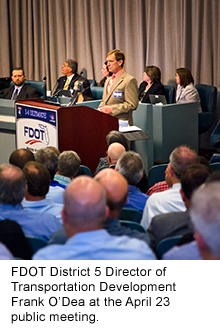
{"points": [[26, 92], [168, 225], [157, 88], [87, 94]]}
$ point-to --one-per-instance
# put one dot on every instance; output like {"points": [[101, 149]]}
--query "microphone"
{"points": [[55, 94], [75, 95]]}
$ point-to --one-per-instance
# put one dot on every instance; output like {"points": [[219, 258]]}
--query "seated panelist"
{"points": [[151, 84], [20, 89], [70, 81], [186, 91]]}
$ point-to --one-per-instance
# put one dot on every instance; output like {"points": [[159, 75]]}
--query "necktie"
{"points": [[66, 84], [110, 83], [15, 95]]}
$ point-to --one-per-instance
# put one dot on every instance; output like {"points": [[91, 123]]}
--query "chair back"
{"points": [[166, 244], [208, 97], [129, 214], [35, 243], [97, 92], [132, 225], [92, 82], [156, 174], [215, 158], [170, 94], [215, 136], [86, 170], [40, 86], [215, 166]]}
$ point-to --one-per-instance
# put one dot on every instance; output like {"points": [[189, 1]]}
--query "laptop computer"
{"points": [[155, 99]]}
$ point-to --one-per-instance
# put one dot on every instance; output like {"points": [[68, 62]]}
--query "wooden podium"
{"points": [[79, 128]]}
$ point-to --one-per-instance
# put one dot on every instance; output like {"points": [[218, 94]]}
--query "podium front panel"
{"points": [[36, 126], [84, 130]]}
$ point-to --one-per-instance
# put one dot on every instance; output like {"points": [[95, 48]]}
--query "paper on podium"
{"points": [[133, 133]]}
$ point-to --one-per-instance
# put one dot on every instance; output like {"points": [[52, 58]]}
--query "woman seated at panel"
{"points": [[151, 84], [105, 74], [186, 92]]}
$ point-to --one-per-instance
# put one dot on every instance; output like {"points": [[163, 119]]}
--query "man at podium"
{"points": [[120, 96]]}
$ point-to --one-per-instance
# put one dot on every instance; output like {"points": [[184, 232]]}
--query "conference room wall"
{"points": [[40, 34]]}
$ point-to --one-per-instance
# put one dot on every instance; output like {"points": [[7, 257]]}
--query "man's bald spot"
{"points": [[114, 183], [11, 172], [115, 150], [84, 198]]}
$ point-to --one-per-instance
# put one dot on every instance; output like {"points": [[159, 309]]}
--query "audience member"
{"points": [[20, 89], [116, 188], [113, 136], [205, 216], [49, 159], [12, 191], [83, 215], [38, 182], [120, 96], [170, 200], [71, 79], [186, 92], [162, 185], [105, 74], [130, 166], [178, 223], [151, 84], [68, 167], [114, 152], [20, 157]]}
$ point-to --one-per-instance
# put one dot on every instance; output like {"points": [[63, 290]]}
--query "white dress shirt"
{"points": [[163, 202]]}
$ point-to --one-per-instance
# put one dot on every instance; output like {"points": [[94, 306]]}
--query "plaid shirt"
{"points": [[158, 187]]}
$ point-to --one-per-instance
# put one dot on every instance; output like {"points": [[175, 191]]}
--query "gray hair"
{"points": [[72, 64], [12, 184], [68, 163], [130, 165], [49, 159], [181, 157], [205, 215]]}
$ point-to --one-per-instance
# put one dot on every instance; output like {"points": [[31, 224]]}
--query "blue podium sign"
{"points": [[36, 127]]}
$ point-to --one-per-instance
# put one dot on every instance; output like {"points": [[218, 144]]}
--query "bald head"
{"points": [[116, 188], [84, 205], [115, 150]]}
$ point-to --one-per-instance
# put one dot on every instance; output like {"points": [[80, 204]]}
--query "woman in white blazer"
{"points": [[186, 91]]}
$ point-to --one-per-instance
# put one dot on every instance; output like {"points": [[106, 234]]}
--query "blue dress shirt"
{"points": [[33, 223], [136, 199], [62, 179], [56, 192], [44, 206], [97, 245]]}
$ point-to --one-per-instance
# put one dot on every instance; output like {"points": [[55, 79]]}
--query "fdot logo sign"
{"points": [[37, 135]]}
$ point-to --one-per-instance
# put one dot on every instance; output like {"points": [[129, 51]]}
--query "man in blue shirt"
{"points": [[130, 165], [83, 215], [12, 190], [49, 159], [38, 182]]}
